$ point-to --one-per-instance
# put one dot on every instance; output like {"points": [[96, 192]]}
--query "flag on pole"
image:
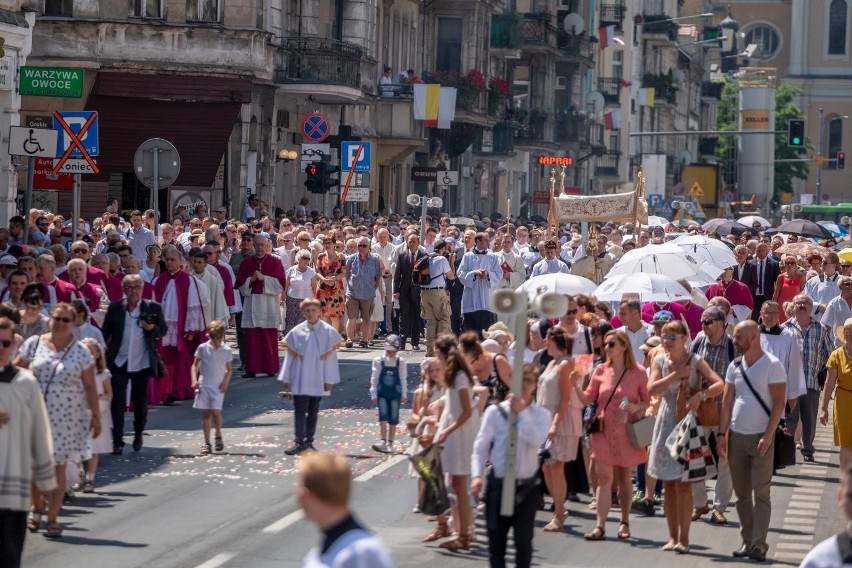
{"points": [[612, 120], [606, 35], [646, 97], [434, 104]]}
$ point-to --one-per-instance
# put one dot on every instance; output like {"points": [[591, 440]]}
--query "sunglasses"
{"points": [[571, 312], [80, 251], [63, 319], [709, 321], [6, 343], [671, 337], [363, 246], [610, 344]]}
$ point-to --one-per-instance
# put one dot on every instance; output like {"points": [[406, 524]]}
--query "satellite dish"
{"points": [[678, 75], [573, 24], [595, 101], [685, 157]]}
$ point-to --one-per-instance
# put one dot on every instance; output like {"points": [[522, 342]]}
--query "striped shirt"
{"points": [[816, 345]]}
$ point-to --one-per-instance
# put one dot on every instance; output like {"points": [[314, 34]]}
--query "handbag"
{"points": [[434, 499], [707, 412], [641, 432], [596, 424], [784, 446]]}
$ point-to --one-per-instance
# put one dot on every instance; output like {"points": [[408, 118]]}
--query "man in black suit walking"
{"points": [[408, 293], [766, 273], [743, 270], [131, 328]]}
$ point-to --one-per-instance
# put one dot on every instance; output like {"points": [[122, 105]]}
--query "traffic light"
{"points": [[796, 133], [314, 179], [841, 160], [327, 171]]}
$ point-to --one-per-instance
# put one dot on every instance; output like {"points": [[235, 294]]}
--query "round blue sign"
{"points": [[316, 127]]}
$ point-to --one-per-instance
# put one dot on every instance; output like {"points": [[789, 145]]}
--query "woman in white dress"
{"points": [[457, 430]]}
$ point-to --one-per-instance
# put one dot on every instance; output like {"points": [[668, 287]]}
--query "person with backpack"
{"points": [[717, 348], [431, 273]]}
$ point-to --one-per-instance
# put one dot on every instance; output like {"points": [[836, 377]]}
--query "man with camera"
{"points": [[434, 299], [131, 328]]}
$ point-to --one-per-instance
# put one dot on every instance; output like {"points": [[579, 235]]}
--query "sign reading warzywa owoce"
{"points": [[51, 82]]}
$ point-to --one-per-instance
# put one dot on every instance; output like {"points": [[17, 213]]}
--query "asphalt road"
{"points": [[166, 506]]}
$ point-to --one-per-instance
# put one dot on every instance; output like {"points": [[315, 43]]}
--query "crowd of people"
{"points": [[131, 307]]}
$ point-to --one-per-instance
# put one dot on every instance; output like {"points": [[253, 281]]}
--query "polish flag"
{"points": [[606, 35], [612, 120]]}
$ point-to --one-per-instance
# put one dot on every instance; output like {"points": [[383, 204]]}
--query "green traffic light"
{"points": [[797, 140]]}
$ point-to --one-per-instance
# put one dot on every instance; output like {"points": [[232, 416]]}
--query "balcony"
{"points": [[711, 90], [607, 164], [659, 26], [571, 128], [610, 88], [332, 72], [535, 137], [663, 85], [499, 140], [536, 34], [575, 46], [612, 15]]}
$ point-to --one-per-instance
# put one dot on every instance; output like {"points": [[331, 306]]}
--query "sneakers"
{"points": [[644, 507], [296, 449], [382, 447]]}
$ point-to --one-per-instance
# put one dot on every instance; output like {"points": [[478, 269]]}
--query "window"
{"points": [[59, 8], [148, 8], [767, 41], [449, 45], [203, 11], [837, 24], [618, 64], [835, 140]]}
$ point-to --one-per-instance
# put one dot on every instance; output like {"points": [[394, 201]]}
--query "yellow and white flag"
{"points": [[435, 105], [646, 97]]}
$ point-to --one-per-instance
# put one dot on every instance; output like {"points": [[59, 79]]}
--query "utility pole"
{"points": [[819, 161]]}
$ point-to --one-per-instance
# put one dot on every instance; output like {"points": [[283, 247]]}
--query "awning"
{"points": [[196, 114]]}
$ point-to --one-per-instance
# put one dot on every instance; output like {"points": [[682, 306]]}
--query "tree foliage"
{"points": [[785, 109]]}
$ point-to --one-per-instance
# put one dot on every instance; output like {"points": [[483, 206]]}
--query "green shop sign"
{"points": [[51, 82]]}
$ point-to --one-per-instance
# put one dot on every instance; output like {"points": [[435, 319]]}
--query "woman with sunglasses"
{"points": [[619, 387], [676, 375], [331, 274], [301, 282], [33, 320], [64, 368], [789, 284]]}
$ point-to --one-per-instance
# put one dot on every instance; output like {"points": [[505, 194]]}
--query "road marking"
{"points": [[809, 483], [788, 556], [381, 468], [217, 560], [793, 546], [798, 537], [808, 490], [284, 522], [803, 505]]}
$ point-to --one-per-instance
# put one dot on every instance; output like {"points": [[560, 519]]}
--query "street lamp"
{"points": [[514, 305], [421, 200], [285, 155]]}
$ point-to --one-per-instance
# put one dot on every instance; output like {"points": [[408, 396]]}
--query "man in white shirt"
{"points": [[138, 236], [550, 264], [839, 309], [630, 314], [388, 253], [747, 431], [824, 288], [491, 444], [434, 299], [784, 345]]}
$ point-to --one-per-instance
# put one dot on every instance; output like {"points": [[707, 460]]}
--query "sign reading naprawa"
{"points": [[51, 82]]}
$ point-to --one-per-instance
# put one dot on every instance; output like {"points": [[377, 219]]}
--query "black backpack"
{"points": [[420, 271]]}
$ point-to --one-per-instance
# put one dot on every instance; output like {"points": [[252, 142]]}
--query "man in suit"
{"points": [[743, 271], [766, 273], [408, 293], [131, 328]]}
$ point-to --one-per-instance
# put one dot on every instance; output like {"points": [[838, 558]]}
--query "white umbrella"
{"points": [[749, 220], [560, 283], [654, 221], [649, 288], [712, 251], [667, 259]]}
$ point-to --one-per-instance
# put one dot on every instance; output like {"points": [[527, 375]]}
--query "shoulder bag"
{"points": [[595, 424], [784, 446]]}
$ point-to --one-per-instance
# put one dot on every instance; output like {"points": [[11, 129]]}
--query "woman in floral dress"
{"points": [[331, 272]]}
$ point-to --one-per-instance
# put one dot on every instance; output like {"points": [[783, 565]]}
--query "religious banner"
{"points": [[600, 208]]}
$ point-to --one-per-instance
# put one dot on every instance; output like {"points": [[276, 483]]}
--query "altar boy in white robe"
{"points": [[309, 371], [215, 308]]}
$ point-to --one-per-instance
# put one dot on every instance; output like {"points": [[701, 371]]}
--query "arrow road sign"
{"points": [[32, 142]]}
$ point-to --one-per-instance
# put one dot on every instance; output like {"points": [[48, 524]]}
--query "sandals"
{"points": [[220, 445], [557, 524], [88, 486], [623, 531], [441, 531], [681, 548], [205, 450], [598, 533], [34, 519], [458, 542], [54, 530]]}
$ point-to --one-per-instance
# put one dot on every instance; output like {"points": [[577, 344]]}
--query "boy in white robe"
{"points": [[310, 369]]}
